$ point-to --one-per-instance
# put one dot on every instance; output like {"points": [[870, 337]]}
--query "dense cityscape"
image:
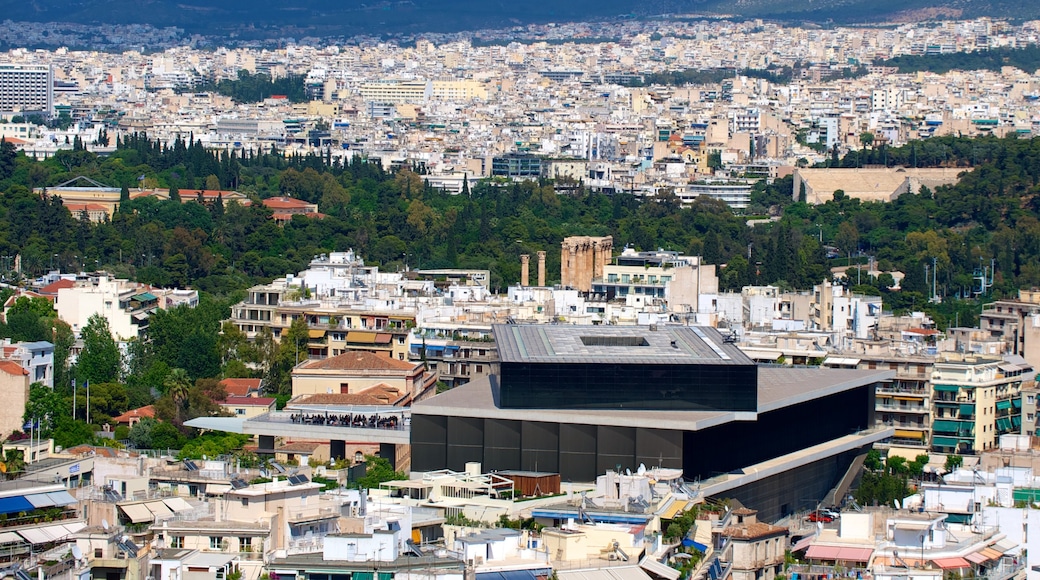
{"points": [[670, 298]]}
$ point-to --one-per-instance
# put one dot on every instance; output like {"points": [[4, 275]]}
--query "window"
{"points": [[99, 553], [240, 411], [215, 542], [400, 356], [176, 541], [245, 502], [245, 544]]}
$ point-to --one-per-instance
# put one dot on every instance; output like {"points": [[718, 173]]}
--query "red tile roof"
{"points": [[12, 368], [240, 387], [360, 360], [286, 203], [53, 287], [139, 413]]}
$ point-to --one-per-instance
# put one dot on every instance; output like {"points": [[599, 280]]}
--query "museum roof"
{"points": [[666, 344]]}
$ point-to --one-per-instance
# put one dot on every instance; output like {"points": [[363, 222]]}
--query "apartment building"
{"points": [[976, 400], [26, 88]]}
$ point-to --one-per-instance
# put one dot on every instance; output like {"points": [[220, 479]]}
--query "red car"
{"points": [[820, 517]]}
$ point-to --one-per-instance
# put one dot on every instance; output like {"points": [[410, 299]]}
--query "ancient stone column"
{"points": [[568, 261], [541, 268], [525, 269]]}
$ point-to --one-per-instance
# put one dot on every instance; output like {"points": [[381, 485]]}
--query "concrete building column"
{"points": [[337, 449], [525, 270], [541, 268]]}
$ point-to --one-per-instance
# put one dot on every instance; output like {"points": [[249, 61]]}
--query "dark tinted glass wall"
{"points": [[629, 386], [735, 445]]}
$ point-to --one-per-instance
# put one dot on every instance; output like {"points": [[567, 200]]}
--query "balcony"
{"points": [[902, 408]]}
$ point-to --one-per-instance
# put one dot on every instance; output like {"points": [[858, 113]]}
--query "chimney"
{"points": [[525, 270], [541, 268]]}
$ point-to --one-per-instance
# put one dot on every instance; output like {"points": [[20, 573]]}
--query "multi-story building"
{"points": [[26, 88], [975, 401], [35, 357], [664, 276], [126, 305], [519, 166]]}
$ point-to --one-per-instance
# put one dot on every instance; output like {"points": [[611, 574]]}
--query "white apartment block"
{"points": [[26, 87]]}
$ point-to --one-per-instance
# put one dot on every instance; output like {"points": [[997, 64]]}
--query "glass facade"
{"points": [[676, 387]]}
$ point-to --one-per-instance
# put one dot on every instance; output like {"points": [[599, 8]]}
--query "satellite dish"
{"points": [[895, 502], [104, 524], [76, 552]]}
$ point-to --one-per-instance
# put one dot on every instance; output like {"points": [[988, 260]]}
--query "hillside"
{"points": [[267, 18]]}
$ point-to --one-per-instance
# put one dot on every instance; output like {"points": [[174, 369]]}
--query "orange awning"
{"points": [[951, 563]]}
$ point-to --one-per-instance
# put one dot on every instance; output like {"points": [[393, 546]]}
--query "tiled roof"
{"points": [[147, 411], [360, 360], [53, 287], [286, 203], [12, 368], [240, 387]]}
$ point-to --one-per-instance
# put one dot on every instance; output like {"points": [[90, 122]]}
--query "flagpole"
{"points": [[74, 399]]}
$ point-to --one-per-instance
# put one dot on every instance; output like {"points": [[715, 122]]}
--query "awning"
{"points": [[967, 409], [62, 498], [905, 434], [677, 507], [839, 553], [145, 297], [1003, 423], [992, 554], [177, 504], [361, 337], [658, 569], [137, 512], [943, 426], [913, 525], [946, 388], [952, 563], [40, 500], [45, 534], [383, 338], [944, 441], [10, 538], [315, 333], [840, 361], [803, 544], [1003, 405], [901, 398], [1004, 546], [15, 504], [217, 488], [158, 508], [1016, 403], [976, 558]]}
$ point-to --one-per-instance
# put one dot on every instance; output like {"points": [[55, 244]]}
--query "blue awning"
{"points": [[15, 504], [688, 543]]}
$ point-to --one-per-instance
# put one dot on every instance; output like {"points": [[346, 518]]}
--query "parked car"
{"points": [[820, 516]]}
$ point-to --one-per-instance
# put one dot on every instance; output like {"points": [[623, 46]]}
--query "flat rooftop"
{"points": [[777, 388], [549, 343]]}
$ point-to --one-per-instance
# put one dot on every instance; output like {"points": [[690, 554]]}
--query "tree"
{"points": [[99, 361], [177, 384], [377, 470], [867, 139], [953, 463], [44, 405]]}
